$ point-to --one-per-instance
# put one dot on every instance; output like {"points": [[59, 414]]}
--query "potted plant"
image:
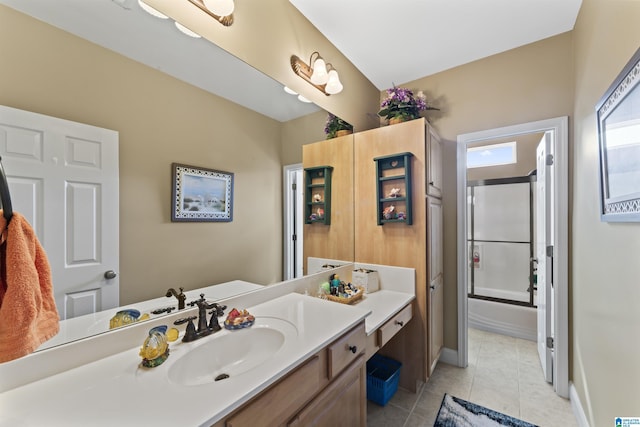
{"points": [[401, 105], [335, 126]]}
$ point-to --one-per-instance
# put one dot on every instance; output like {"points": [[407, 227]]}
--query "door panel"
{"points": [[63, 177], [544, 233]]}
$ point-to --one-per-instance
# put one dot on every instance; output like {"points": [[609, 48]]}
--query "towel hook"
{"points": [[5, 196]]}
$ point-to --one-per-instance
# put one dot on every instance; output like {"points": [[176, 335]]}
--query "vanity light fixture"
{"points": [[290, 91], [151, 11], [319, 74], [220, 10], [220, 7], [187, 31]]}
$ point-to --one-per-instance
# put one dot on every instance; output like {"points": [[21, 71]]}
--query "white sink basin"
{"points": [[227, 354]]}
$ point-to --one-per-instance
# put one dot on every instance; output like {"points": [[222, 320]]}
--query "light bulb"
{"points": [[333, 83], [151, 10], [319, 75], [220, 7], [303, 99], [187, 31], [290, 91]]}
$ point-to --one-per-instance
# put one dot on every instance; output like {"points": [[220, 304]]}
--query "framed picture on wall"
{"points": [[201, 194], [618, 114]]}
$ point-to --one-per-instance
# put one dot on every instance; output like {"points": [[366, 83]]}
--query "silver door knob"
{"points": [[110, 274]]}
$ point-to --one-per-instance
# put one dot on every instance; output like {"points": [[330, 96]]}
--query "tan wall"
{"points": [[301, 131], [161, 120], [605, 290], [530, 83]]}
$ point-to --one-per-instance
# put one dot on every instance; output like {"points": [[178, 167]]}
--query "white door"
{"points": [[63, 178], [294, 221], [543, 246]]}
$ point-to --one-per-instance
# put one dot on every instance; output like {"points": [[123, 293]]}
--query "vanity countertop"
{"points": [[383, 305], [112, 391], [98, 322]]}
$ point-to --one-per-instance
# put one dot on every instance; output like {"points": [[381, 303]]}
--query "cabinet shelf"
{"points": [[393, 199], [393, 176], [317, 195]]}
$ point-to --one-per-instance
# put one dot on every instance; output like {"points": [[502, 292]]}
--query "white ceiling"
{"points": [[404, 40], [411, 40]]}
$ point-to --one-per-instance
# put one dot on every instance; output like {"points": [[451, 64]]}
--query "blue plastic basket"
{"points": [[383, 375]]}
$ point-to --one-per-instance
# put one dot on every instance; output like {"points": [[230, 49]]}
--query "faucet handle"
{"points": [[218, 310], [190, 333]]}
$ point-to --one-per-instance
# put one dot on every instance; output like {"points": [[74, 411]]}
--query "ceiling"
{"points": [[415, 39], [404, 40]]}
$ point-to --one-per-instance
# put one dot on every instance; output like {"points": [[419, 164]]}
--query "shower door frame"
{"points": [[530, 179]]}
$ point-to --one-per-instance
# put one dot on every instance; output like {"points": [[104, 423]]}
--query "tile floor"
{"points": [[504, 374]]}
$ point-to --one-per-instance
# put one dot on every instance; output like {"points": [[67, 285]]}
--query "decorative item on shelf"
{"points": [[320, 213], [155, 349], [318, 74], [335, 126], [237, 319], [402, 105], [389, 212], [395, 192], [317, 198]]}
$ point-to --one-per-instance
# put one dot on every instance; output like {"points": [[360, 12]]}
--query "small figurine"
{"points": [[401, 216], [320, 213], [388, 212], [313, 217], [395, 192], [317, 198]]}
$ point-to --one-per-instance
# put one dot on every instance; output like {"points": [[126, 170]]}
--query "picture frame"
{"points": [[201, 194], [618, 116]]}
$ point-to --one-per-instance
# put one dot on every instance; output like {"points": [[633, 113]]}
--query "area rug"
{"points": [[456, 412]]}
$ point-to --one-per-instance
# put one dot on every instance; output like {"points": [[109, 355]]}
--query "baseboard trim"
{"points": [[577, 408], [502, 328], [449, 356]]}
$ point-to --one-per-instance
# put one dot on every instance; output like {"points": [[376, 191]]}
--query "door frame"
{"points": [[293, 219], [560, 127]]}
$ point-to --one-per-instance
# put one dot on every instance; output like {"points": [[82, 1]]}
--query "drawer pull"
{"points": [[353, 349], [400, 323]]}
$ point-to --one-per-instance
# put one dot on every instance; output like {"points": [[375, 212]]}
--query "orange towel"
{"points": [[28, 315]]}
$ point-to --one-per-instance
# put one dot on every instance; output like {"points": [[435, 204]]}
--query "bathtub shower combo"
{"points": [[502, 267]]}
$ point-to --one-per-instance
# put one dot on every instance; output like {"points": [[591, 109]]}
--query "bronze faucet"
{"points": [[192, 333], [180, 296]]}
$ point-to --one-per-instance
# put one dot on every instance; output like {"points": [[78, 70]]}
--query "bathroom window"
{"points": [[492, 155]]}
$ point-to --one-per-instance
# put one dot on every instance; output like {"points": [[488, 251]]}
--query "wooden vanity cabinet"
{"points": [[340, 404], [417, 345], [334, 241], [329, 388]]}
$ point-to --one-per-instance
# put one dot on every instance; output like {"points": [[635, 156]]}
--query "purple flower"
{"points": [[401, 102]]}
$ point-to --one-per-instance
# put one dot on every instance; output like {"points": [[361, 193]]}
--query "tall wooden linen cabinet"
{"points": [[417, 245]]}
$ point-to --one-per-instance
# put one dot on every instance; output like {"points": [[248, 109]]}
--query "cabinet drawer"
{"points": [[282, 400], [346, 350], [342, 403], [393, 325]]}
